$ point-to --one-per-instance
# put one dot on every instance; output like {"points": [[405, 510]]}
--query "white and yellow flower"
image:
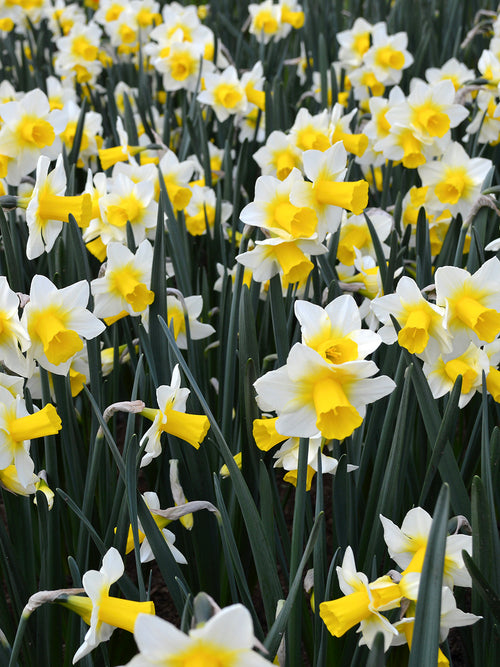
{"points": [[14, 339], [99, 610], [57, 320], [472, 302], [335, 331], [48, 208], [362, 603], [225, 93], [127, 201], [387, 57], [17, 428], [78, 53], [171, 417], [125, 285], [469, 361], [278, 156], [199, 214], [422, 323], [311, 394], [146, 553], [328, 193], [354, 43], [190, 307], [29, 129], [225, 640], [407, 546], [455, 180]]}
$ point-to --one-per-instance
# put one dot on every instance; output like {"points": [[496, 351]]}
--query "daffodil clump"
{"points": [[249, 264]]}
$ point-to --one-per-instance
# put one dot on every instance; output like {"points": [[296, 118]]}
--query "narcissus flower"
{"points": [[278, 156], [455, 180], [225, 640], [128, 201], [340, 131], [125, 283], [271, 209], [199, 214], [265, 20], [289, 258], [176, 176], [56, 321], [328, 193], [354, 43], [451, 617], [335, 331], [311, 132], [354, 234], [422, 323], [387, 57], [190, 307], [310, 394], [362, 603], [14, 338], [48, 208], [429, 110], [407, 545], [78, 53], [29, 129], [472, 302], [171, 417], [224, 93], [287, 457], [17, 428], [101, 611], [468, 361], [146, 553]]}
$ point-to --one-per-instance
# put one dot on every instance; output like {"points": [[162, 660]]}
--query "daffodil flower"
{"points": [[311, 394], [362, 603], [29, 129], [422, 323], [225, 93], [340, 131], [78, 53], [328, 193], [265, 20], [469, 361], [190, 306], [472, 302], [99, 610], [56, 321], [407, 545], [171, 417], [146, 553], [14, 339], [455, 180], [278, 156], [355, 42], [354, 233], [126, 281], [387, 57], [225, 640], [48, 208], [17, 428], [335, 331], [289, 258], [451, 617]]}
